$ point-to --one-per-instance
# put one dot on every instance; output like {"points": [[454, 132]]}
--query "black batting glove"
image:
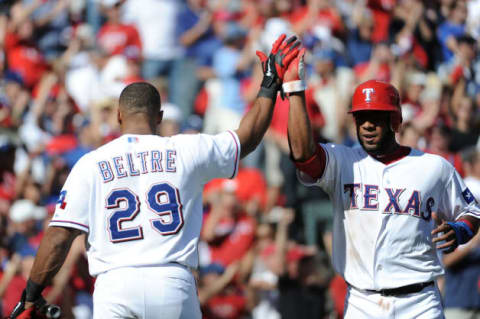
{"points": [[275, 65]]}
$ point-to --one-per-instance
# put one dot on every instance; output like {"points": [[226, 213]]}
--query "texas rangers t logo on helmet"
{"points": [[368, 92]]}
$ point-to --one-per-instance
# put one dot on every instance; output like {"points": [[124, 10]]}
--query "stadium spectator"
{"points": [[227, 229], [462, 268], [115, 37], [452, 28], [231, 64]]}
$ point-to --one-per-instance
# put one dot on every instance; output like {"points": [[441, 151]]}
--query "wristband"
{"points": [[294, 86], [315, 165], [33, 291], [463, 233]]}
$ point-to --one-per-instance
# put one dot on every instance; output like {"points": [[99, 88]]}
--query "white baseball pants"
{"points": [[166, 291], [426, 304]]}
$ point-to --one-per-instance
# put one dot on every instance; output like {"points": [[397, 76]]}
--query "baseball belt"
{"points": [[404, 290]]}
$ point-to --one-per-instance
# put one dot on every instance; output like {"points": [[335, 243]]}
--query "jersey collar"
{"points": [[397, 155]]}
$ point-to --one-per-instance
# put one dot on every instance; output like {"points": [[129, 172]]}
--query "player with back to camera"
{"points": [[393, 206], [138, 198]]}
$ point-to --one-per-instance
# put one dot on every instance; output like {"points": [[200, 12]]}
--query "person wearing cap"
{"points": [[219, 294], [24, 215], [394, 206]]}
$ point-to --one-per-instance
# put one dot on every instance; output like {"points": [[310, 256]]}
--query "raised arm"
{"points": [[255, 123], [302, 145], [308, 157]]}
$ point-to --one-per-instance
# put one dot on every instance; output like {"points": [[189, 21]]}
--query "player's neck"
{"points": [[392, 154], [137, 128]]}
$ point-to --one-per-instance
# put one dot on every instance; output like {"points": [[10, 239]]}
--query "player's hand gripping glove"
{"points": [[19, 312], [275, 65], [40, 308], [294, 79]]}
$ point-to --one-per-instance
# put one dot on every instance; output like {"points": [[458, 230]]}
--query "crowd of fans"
{"points": [[266, 240]]}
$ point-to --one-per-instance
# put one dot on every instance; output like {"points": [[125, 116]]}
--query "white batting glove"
{"points": [[294, 78]]}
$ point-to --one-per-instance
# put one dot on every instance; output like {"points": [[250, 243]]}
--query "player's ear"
{"points": [[160, 117], [119, 116]]}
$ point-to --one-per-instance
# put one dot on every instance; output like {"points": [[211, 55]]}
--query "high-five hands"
{"points": [[276, 63], [294, 80]]}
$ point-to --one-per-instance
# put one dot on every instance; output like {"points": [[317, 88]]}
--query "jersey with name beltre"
{"points": [[139, 197], [383, 214]]}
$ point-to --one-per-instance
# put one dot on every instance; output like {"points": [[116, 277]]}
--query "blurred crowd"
{"points": [[266, 239]]}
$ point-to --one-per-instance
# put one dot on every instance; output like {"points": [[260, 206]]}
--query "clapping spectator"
{"points": [[23, 55]]}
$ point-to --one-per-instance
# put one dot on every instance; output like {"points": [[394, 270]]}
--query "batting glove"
{"points": [[275, 65], [294, 80], [40, 309], [19, 312]]}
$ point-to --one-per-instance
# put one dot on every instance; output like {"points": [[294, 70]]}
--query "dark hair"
{"points": [[467, 39], [140, 97]]}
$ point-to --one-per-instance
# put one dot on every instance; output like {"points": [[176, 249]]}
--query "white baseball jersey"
{"points": [[139, 197], [382, 214]]}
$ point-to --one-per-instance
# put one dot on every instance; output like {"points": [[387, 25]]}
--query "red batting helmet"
{"points": [[374, 95]]}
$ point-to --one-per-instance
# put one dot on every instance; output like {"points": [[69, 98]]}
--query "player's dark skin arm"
{"points": [[254, 124], [51, 255], [302, 144], [449, 234]]}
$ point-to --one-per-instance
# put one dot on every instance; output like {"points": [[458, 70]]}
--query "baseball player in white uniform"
{"points": [[139, 199], [384, 196]]}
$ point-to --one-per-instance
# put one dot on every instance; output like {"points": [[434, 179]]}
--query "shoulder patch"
{"points": [[468, 196]]}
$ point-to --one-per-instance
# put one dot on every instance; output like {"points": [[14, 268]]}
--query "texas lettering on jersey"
{"points": [[365, 197]]}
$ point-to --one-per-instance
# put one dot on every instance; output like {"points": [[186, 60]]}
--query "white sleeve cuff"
{"points": [[294, 86], [69, 224]]}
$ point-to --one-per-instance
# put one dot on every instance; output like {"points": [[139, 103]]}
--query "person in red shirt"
{"points": [[317, 13], [219, 293], [23, 57], [438, 144], [379, 67], [115, 37], [227, 229], [382, 15]]}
